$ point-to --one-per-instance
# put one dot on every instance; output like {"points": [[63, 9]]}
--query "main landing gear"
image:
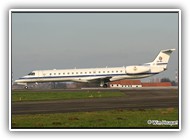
{"points": [[103, 84]]}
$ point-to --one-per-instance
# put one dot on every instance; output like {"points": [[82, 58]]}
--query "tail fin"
{"points": [[162, 58]]}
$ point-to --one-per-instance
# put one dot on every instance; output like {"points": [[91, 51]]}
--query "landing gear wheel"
{"points": [[26, 87], [105, 85]]}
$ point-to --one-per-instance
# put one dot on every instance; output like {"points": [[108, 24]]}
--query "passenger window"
{"points": [[54, 73], [68, 73], [50, 74], [76, 72], [63, 73]]}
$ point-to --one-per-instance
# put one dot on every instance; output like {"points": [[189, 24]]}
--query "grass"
{"points": [[99, 119], [60, 95]]}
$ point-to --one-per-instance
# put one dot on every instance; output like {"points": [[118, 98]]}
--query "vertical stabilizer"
{"points": [[163, 56], [162, 59]]}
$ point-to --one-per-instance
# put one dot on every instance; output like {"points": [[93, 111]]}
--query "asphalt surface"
{"points": [[133, 99]]}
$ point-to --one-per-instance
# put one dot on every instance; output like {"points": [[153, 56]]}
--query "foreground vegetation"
{"points": [[60, 95], [100, 119]]}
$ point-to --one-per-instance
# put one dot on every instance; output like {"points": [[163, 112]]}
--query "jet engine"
{"points": [[137, 69]]}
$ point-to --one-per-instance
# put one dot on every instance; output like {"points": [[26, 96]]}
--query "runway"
{"points": [[133, 99]]}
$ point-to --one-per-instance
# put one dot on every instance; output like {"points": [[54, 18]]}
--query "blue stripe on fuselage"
{"points": [[72, 76], [78, 76]]}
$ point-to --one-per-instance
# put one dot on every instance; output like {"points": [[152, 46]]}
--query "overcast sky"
{"points": [[88, 40]]}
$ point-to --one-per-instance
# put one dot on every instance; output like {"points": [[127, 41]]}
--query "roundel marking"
{"points": [[160, 58], [135, 68]]}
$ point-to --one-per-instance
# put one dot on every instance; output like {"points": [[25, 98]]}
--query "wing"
{"points": [[100, 79]]}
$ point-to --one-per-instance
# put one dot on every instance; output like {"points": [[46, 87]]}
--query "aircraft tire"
{"points": [[105, 85]]}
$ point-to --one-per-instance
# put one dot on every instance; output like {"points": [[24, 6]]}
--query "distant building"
{"points": [[125, 84], [159, 84], [137, 83]]}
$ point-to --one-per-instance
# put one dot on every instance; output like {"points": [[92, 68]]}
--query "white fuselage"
{"points": [[101, 75], [84, 75]]}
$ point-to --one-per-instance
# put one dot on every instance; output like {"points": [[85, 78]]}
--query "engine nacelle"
{"points": [[137, 69]]}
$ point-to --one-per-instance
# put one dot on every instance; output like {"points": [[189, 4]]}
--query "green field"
{"points": [[99, 119], [120, 118], [61, 95]]}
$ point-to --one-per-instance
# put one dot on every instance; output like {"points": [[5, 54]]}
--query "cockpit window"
{"points": [[32, 73]]}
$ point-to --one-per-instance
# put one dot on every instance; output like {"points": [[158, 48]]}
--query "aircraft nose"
{"points": [[17, 81]]}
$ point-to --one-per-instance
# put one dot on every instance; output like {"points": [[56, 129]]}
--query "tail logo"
{"points": [[160, 58]]}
